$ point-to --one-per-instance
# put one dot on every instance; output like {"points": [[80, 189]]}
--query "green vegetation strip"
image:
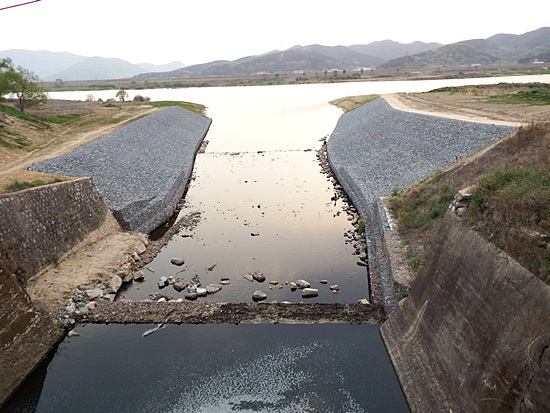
{"points": [[20, 185], [526, 97], [193, 107], [8, 110]]}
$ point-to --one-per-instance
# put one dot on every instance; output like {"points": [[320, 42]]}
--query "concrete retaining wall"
{"points": [[474, 333], [40, 225], [26, 335]]}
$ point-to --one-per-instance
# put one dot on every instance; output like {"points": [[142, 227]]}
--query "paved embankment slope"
{"points": [[376, 150], [142, 169], [384, 150]]}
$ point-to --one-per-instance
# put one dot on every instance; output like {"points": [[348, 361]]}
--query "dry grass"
{"points": [[511, 206]]}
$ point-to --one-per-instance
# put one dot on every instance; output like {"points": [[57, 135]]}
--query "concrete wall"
{"points": [[474, 334], [26, 335], [40, 225]]}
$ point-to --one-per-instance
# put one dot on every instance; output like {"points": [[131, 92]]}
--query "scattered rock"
{"points": [[362, 264], [364, 301], [248, 277], [334, 287], [91, 305], [177, 261], [93, 294], [255, 234], [302, 284], [225, 282], [323, 281], [274, 282], [139, 276], [201, 292], [179, 287], [259, 295], [191, 294], [163, 281], [310, 292], [258, 276], [224, 278], [293, 285], [116, 283], [213, 288], [73, 333]]}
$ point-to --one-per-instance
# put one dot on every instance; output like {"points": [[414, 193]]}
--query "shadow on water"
{"points": [[217, 368]]}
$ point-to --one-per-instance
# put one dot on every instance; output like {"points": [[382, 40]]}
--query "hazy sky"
{"points": [[200, 31]]}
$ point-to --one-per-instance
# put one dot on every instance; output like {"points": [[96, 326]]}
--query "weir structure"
{"points": [[472, 336]]}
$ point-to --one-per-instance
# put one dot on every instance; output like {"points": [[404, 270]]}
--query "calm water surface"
{"points": [[216, 368]]}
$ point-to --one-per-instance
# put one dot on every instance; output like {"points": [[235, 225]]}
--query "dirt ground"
{"points": [[110, 249]]}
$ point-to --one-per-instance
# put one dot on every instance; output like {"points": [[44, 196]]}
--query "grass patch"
{"points": [[8, 110], [193, 107], [20, 185], [12, 140], [510, 206], [524, 97], [361, 227], [64, 119], [349, 103]]}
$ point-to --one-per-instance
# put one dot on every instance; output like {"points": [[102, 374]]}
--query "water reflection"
{"points": [[271, 212], [219, 368]]}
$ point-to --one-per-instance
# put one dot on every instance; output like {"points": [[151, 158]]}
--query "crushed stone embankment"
{"points": [[142, 169], [376, 150], [384, 150]]}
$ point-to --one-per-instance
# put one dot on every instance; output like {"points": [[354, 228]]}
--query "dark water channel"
{"points": [[216, 368]]}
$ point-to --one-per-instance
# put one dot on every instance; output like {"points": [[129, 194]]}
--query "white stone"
{"points": [[310, 292]]}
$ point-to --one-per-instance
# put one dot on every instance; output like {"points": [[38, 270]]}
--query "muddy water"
{"points": [[269, 212]]}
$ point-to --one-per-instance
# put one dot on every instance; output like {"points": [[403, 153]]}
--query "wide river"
{"points": [[262, 205]]}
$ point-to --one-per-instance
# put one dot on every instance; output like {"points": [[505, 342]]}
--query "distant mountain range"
{"points": [[501, 48], [313, 58], [50, 66]]}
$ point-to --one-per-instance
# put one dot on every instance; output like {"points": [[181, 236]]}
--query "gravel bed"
{"points": [[385, 150], [142, 169]]}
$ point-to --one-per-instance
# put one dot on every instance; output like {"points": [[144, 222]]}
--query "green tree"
{"points": [[122, 95], [21, 82], [6, 69]]}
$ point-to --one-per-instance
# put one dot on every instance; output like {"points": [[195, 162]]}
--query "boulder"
{"points": [[179, 287], [302, 284], [258, 276], [177, 261], [116, 283], [213, 288], [310, 292], [93, 294], [163, 281], [259, 295]]}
